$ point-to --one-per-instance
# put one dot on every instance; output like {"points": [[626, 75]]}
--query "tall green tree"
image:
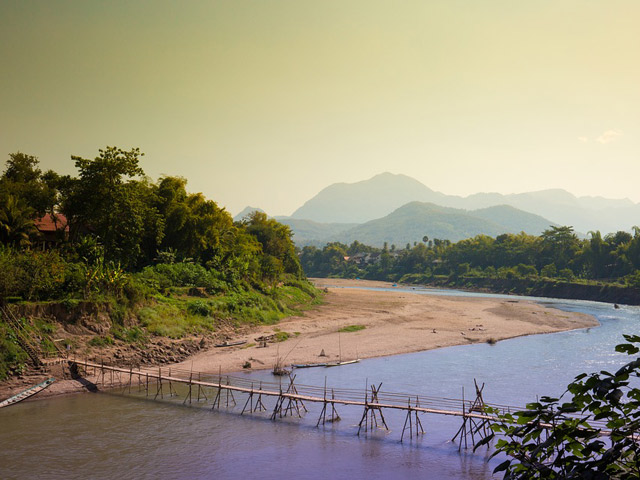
{"points": [[277, 246], [24, 180], [195, 227], [559, 246], [16, 222], [110, 200]]}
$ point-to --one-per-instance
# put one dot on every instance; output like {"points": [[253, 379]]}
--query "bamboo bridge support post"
{"points": [[478, 426], [323, 413], [249, 400], [230, 394], [159, 385], [372, 410], [217, 398], [188, 396], [259, 405], [277, 410], [418, 421], [334, 413], [201, 390], [407, 419], [378, 409], [364, 414], [293, 402], [130, 377], [462, 431], [172, 391]]}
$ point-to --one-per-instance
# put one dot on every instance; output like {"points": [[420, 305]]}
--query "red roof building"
{"points": [[53, 229]]}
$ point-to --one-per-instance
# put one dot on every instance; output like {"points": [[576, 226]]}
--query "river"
{"points": [[111, 435]]}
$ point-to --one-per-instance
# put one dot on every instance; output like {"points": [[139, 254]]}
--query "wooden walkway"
{"points": [[475, 414]]}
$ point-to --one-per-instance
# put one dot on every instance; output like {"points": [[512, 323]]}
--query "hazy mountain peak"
{"points": [[246, 211], [365, 200]]}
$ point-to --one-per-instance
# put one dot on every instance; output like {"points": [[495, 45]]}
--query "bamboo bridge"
{"points": [[290, 398]]}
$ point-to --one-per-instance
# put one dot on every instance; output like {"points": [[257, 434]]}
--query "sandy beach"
{"points": [[394, 322]]}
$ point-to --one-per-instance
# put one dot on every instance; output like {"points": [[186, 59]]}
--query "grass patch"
{"points": [[101, 341], [130, 335], [352, 328], [172, 319], [282, 336]]}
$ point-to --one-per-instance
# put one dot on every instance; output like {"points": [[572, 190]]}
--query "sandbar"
{"points": [[395, 322]]}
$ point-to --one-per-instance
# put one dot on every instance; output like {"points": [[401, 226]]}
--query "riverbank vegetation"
{"points": [[557, 261], [123, 259]]}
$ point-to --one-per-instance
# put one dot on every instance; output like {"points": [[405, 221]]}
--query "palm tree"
{"points": [[16, 222]]}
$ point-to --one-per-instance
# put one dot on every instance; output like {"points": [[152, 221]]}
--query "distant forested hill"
{"points": [[411, 222]]}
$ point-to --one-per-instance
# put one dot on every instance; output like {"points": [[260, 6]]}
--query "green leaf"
{"points": [[502, 467], [484, 441]]}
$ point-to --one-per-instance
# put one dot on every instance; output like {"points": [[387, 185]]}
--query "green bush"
{"points": [[566, 274], [633, 279], [526, 270], [31, 274], [167, 275], [549, 270], [199, 307], [130, 335]]}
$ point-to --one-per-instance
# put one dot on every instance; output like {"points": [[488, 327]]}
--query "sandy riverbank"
{"points": [[395, 322]]}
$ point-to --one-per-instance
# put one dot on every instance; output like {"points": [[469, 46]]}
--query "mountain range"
{"points": [[374, 198], [398, 209]]}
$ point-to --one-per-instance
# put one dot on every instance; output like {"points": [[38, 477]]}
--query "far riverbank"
{"points": [[532, 287]]}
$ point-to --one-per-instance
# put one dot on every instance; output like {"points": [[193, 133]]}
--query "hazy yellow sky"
{"points": [[264, 103]]}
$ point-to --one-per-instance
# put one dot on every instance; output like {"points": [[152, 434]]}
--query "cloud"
{"points": [[584, 139], [609, 136]]}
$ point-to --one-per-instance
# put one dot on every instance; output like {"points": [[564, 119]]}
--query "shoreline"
{"points": [[395, 322]]}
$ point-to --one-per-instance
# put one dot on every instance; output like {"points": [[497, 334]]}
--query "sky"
{"points": [[264, 103]]}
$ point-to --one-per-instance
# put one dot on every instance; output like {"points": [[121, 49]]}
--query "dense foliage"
{"points": [[557, 253], [125, 232], [591, 432]]}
